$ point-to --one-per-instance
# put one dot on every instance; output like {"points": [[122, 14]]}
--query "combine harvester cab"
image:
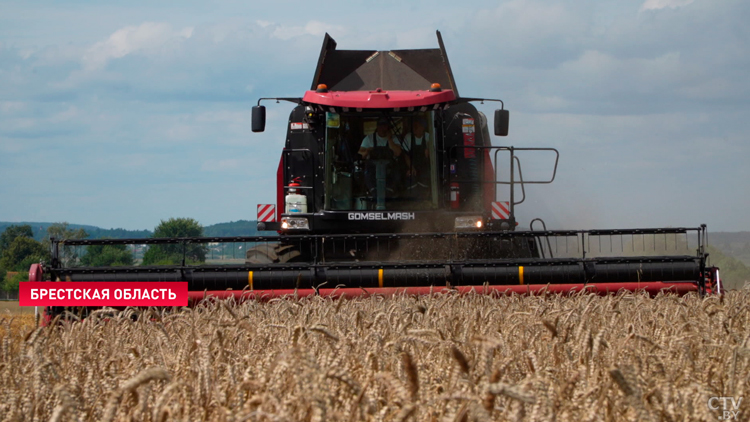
{"points": [[389, 182]]}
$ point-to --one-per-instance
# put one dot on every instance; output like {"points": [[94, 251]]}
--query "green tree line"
{"points": [[19, 249], [232, 228]]}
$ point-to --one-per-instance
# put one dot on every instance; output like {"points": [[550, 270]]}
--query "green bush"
{"points": [[23, 252], [106, 255], [11, 284], [171, 254], [11, 233]]}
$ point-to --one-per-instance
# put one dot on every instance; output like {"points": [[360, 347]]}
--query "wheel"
{"points": [[271, 253]]}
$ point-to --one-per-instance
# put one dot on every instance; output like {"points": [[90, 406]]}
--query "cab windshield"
{"points": [[380, 161]]}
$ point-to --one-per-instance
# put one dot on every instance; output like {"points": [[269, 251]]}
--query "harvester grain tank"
{"points": [[389, 181]]}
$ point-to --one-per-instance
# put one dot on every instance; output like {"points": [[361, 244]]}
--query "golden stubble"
{"points": [[430, 358]]}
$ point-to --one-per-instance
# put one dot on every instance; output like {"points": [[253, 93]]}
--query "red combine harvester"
{"points": [[389, 182]]}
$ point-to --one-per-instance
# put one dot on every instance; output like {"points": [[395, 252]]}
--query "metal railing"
{"points": [[397, 248], [514, 162], [398, 260], [8, 296]]}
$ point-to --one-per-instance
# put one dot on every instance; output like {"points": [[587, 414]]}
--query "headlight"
{"points": [[472, 222], [293, 223]]}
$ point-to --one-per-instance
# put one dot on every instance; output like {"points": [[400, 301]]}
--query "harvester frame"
{"points": [[344, 231]]}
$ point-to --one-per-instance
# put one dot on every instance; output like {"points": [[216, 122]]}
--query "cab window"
{"points": [[380, 162]]}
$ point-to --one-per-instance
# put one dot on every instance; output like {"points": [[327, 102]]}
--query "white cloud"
{"points": [[640, 100], [225, 117], [135, 160], [530, 34], [222, 165], [131, 39], [313, 27], [26, 53], [597, 64], [66, 115], [12, 106], [234, 125], [23, 123], [662, 4], [546, 103], [11, 146]]}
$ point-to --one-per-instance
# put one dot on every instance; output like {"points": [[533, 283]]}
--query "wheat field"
{"points": [[445, 357]]}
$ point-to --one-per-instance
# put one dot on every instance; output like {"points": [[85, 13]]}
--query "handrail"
{"points": [[544, 226], [514, 160]]}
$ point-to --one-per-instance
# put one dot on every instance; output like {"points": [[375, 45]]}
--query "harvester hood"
{"points": [[395, 70]]}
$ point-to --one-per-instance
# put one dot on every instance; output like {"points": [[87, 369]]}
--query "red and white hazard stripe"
{"points": [[266, 212], [500, 210]]}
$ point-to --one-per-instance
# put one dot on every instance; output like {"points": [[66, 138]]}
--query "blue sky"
{"points": [[120, 115]]}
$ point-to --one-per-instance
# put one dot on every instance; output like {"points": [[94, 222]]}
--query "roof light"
{"points": [[435, 87], [322, 88]]}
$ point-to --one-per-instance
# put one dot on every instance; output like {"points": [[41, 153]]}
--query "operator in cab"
{"points": [[416, 149], [380, 150]]}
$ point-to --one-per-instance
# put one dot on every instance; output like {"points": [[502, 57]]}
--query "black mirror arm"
{"points": [[295, 100], [466, 100]]}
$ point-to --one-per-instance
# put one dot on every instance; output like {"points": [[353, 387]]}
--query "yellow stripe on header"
{"points": [[520, 275], [250, 279], [380, 277]]}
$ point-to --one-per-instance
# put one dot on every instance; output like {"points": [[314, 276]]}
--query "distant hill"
{"points": [[734, 244], [40, 230], [733, 272], [234, 228], [730, 251]]}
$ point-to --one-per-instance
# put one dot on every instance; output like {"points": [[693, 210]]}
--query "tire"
{"points": [[271, 253]]}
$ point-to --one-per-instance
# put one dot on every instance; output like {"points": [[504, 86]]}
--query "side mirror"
{"points": [[502, 118], [259, 118]]}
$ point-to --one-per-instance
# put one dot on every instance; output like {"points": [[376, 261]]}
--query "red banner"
{"points": [[84, 293]]}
